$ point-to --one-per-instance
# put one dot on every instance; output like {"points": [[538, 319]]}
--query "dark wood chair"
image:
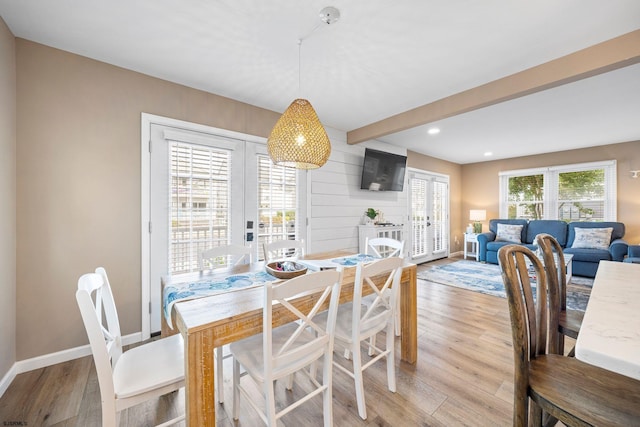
{"points": [[569, 321], [574, 392]]}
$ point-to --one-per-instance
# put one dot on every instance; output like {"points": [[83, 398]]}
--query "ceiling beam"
{"points": [[600, 58]]}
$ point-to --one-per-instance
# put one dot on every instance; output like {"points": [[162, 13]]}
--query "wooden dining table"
{"points": [[610, 333], [216, 320]]}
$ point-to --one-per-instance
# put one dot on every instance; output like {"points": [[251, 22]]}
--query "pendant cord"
{"points": [[299, 68]]}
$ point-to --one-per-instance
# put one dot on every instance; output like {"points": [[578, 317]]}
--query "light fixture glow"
{"points": [[488, 154], [298, 139], [433, 131]]}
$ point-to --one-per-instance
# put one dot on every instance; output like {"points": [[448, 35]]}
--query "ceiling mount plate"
{"points": [[329, 15]]}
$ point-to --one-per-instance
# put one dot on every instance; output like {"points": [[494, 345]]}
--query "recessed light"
{"points": [[433, 131], [488, 153]]}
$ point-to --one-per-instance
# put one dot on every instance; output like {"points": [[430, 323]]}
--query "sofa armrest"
{"points": [[483, 238], [618, 249], [634, 251]]}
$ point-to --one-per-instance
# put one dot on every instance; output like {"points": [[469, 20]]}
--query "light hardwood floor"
{"points": [[463, 377]]}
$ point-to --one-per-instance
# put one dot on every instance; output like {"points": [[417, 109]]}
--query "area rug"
{"points": [[486, 279]]}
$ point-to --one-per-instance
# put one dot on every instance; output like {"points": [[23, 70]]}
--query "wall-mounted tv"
{"points": [[383, 171]]}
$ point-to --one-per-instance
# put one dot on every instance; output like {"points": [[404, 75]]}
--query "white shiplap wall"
{"points": [[336, 204]]}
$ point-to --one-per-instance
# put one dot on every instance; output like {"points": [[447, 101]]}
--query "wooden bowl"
{"points": [[272, 269]]}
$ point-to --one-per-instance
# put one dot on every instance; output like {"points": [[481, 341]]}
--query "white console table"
{"points": [[375, 231]]}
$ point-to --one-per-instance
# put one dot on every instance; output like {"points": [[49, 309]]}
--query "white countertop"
{"points": [[610, 333]]}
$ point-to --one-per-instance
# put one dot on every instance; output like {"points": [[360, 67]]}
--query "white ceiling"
{"points": [[382, 58]]}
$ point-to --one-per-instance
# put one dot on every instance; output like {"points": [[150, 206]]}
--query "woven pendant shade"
{"points": [[298, 139]]}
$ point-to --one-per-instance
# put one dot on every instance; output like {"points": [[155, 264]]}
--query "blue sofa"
{"points": [[585, 261]]}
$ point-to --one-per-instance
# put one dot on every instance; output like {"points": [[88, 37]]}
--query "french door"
{"points": [[209, 189], [429, 216]]}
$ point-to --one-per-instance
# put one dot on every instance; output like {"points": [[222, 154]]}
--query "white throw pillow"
{"points": [[592, 238], [509, 233]]}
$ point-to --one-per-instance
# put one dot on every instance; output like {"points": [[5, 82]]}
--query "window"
{"points": [[581, 192], [200, 205], [277, 209]]}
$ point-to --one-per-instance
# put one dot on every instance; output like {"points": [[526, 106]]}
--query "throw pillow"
{"points": [[592, 238], [509, 233]]}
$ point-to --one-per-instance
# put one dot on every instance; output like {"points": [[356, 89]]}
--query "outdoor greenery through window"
{"points": [[583, 192]]}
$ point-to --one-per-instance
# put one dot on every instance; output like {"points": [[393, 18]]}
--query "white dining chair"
{"points": [[284, 249], [287, 350], [225, 256], [357, 323], [222, 257], [126, 378]]}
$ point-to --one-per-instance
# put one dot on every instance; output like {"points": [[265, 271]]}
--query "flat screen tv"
{"points": [[383, 171]]}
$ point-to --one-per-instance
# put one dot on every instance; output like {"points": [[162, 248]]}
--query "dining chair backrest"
{"points": [[293, 356], [384, 247], [125, 379], [529, 316], [373, 317], [284, 249], [225, 256], [100, 318]]}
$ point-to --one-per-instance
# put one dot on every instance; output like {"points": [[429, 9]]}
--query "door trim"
{"points": [[146, 121], [433, 176]]}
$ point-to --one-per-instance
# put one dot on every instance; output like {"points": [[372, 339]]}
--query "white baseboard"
{"points": [[66, 355], [8, 379]]}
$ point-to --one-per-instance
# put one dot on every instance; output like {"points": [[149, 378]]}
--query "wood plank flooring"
{"points": [[463, 378]]}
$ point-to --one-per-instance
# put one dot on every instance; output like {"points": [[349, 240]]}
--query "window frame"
{"points": [[551, 191]]}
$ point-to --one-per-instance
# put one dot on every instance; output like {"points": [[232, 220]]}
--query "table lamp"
{"points": [[477, 215]]}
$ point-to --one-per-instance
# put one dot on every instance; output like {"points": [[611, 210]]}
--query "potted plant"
{"points": [[370, 215]]}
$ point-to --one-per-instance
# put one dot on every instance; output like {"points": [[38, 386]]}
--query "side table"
{"points": [[471, 238]]}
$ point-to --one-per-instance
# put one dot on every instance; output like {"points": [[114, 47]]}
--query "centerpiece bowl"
{"points": [[285, 269]]}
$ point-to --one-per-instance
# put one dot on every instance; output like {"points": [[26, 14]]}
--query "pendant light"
{"points": [[298, 139]]}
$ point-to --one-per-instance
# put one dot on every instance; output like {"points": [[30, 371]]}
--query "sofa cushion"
{"points": [[592, 238], [588, 255], [554, 227], [509, 233]]}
